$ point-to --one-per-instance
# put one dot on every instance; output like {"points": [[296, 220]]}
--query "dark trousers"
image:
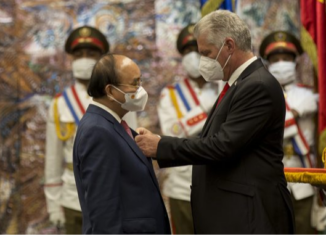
{"points": [[181, 216], [302, 213], [74, 221]]}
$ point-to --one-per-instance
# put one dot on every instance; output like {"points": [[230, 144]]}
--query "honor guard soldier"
{"points": [[280, 49], [85, 45], [183, 109]]}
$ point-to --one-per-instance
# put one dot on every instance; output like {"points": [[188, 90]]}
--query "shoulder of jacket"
{"points": [[170, 86], [164, 93], [302, 89], [58, 98], [60, 102], [57, 95]]}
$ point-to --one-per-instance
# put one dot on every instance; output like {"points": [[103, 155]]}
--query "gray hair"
{"points": [[221, 24]]}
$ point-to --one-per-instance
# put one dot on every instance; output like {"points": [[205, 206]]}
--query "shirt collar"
{"points": [[110, 111], [235, 75]]}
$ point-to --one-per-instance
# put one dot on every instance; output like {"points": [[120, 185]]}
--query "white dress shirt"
{"points": [[235, 75]]}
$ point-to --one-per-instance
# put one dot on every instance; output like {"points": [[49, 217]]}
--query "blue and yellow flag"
{"points": [[207, 6]]}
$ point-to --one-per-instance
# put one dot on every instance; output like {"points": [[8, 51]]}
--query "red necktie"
{"points": [[225, 89], [126, 127]]}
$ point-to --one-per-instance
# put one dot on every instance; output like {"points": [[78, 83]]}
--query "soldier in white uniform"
{"points": [[86, 45], [280, 48], [182, 110]]}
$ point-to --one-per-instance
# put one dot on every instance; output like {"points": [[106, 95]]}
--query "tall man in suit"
{"points": [[182, 111], [117, 187], [238, 183]]}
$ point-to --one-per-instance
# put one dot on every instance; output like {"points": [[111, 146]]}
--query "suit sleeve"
{"points": [[100, 176], [250, 111]]}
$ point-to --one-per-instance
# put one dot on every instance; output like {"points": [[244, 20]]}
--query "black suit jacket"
{"points": [[238, 183], [116, 183]]}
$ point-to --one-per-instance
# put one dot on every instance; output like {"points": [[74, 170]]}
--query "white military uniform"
{"points": [[60, 188], [304, 101], [182, 110]]}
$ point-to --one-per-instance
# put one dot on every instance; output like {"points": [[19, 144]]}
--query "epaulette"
{"points": [[304, 86], [58, 95]]}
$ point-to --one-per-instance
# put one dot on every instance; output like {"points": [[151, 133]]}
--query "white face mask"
{"points": [[190, 63], [283, 71], [134, 101], [211, 69], [82, 68]]}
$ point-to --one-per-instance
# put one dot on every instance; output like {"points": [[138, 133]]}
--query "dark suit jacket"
{"points": [[117, 187], [238, 183]]}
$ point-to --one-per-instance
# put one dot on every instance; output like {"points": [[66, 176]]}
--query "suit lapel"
{"points": [[209, 117], [123, 134], [132, 144], [216, 109], [249, 70]]}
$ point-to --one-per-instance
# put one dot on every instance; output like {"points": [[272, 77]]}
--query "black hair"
{"points": [[103, 74]]}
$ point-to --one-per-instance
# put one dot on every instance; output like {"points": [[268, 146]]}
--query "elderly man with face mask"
{"points": [[183, 110], [116, 183], [85, 45], [238, 182], [280, 49]]}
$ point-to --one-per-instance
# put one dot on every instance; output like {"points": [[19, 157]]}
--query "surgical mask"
{"points": [[82, 68], [190, 63], [283, 71], [211, 69], [134, 101]]}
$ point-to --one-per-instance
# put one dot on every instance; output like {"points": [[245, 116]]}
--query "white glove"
{"points": [[318, 215], [57, 218]]}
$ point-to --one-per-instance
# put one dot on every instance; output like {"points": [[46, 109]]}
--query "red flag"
{"points": [[313, 37]]}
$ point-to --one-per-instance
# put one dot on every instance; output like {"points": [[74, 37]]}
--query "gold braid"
{"points": [[323, 157], [306, 177], [69, 127]]}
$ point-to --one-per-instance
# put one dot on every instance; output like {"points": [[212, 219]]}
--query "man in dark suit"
{"points": [[117, 187], [238, 183]]}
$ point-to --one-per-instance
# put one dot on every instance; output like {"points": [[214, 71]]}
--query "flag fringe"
{"points": [[309, 47]]}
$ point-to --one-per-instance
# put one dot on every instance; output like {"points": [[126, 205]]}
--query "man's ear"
{"points": [[108, 91], [230, 43]]}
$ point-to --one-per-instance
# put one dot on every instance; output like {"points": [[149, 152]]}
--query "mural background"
{"points": [[34, 67]]}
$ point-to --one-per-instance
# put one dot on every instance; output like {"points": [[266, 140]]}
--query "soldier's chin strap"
{"points": [[69, 127]]}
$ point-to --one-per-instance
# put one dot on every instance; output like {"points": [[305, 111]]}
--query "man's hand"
{"points": [[143, 131], [57, 218], [147, 142]]}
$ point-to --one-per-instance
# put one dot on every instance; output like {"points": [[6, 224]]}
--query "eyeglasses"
{"points": [[128, 85]]}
